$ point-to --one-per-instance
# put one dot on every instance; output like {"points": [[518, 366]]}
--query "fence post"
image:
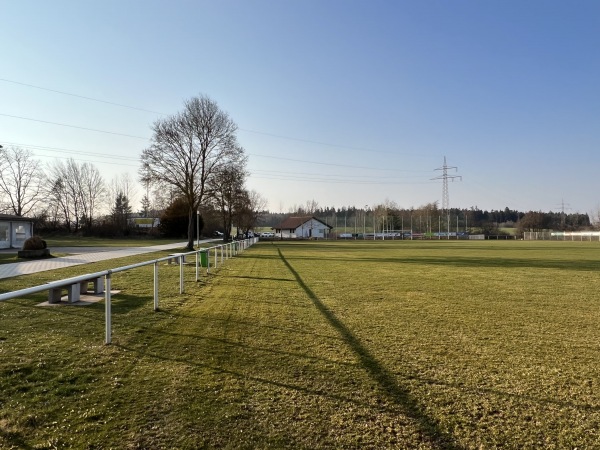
{"points": [[221, 254], [155, 285], [216, 254], [181, 274], [107, 309], [197, 263], [207, 261]]}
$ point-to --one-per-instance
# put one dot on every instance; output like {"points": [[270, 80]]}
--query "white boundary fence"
{"points": [[561, 235], [203, 255]]}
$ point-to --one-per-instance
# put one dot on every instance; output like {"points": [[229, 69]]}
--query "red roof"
{"points": [[291, 223]]}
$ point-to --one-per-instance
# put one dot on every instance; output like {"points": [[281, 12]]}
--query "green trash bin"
{"points": [[204, 258]]}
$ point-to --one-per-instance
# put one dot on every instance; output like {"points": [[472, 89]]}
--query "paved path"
{"points": [[81, 255]]}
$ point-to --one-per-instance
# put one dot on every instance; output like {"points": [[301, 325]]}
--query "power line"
{"points": [[104, 155], [279, 172], [82, 96], [87, 160], [330, 181], [77, 152], [324, 163], [308, 141], [75, 126], [291, 138]]}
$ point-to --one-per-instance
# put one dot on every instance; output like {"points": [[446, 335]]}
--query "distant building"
{"points": [[302, 227], [14, 230], [145, 222]]}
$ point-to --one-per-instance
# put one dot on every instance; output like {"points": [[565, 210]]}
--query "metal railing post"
{"points": [[197, 263], [216, 255], [207, 261], [181, 274], [107, 310], [156, 286]]}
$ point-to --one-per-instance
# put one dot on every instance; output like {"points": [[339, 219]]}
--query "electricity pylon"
{"points": [[445, 177]]}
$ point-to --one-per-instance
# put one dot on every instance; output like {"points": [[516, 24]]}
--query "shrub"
{"points": [[34, 243]]}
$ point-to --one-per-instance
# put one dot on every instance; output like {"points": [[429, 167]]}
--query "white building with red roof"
{"points": [[302, 227]]}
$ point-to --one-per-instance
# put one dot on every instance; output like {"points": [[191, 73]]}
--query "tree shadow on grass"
{"points": [[400, 396], [260, 278]]}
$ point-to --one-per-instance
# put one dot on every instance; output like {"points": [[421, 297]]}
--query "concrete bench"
{"points": [[174, 258], [74, 290]]}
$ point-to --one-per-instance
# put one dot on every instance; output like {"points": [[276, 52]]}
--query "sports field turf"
{"points": [[447, 345]]}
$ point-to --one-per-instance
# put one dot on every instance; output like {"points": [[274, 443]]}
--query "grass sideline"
{"points": [[452, 345]]}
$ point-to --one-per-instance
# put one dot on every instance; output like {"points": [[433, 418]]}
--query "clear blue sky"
{"points": [[344, 102]]}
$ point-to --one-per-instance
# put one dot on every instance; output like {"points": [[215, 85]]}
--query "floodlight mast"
{"points": [[445, 195]]}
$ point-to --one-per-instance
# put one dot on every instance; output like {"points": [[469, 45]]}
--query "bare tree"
{"points": [[251, 206], [93, 190], [162, 197], [63, 190], [21, 180], [75, 190], [122, 184], [188, 149], [311, 207], [226, 192]]}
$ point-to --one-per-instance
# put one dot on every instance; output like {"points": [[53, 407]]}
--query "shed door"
{"points": [[21, 231]]}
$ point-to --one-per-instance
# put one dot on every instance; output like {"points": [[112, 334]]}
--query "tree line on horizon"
{"points": [[431, 218]]}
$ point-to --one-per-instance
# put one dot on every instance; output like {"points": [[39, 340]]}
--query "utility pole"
{"points": [[445, 195]]}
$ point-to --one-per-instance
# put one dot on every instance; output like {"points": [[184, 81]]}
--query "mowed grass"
{"points": [[447, 345]]}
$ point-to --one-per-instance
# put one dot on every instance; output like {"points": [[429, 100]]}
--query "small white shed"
{"points": [[303, 227], [14, 230]]}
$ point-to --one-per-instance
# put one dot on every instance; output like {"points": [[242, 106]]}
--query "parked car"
{"points": [[217, 234], [267, 234]]}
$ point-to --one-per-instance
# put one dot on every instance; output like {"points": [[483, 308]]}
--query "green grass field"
{"points": [[444, 345]]}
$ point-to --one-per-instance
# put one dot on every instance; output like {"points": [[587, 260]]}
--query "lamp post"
{"points": [[198, 227], [365, 222]]}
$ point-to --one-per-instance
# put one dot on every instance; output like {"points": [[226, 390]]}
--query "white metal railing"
{"points": [[561, 235], [227, 251]]}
